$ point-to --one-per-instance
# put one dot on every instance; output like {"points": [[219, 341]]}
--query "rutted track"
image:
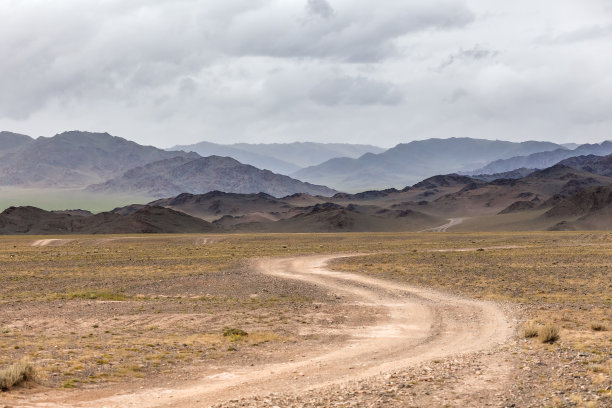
{"points": [[443, 228], [421, 325]]}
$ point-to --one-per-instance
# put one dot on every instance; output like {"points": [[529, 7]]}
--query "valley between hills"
{"points": [[188, 279]]}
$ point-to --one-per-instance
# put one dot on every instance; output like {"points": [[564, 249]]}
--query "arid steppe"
{"points": [[348, 319]]}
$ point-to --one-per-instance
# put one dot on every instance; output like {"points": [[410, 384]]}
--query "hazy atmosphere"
{"points": [[178, 72], [305, 203]]}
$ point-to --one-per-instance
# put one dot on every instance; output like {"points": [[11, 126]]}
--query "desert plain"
{"points": [[513, 319]]}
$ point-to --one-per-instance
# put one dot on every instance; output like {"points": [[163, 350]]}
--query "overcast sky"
{"points": [[168, 72]]}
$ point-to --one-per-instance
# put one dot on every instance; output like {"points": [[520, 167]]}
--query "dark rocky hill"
{"points": [[544, 159], [593, 164], [170, 177], [149, 219]]}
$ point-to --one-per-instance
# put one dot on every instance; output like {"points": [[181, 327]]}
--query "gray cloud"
{"points": [[165, 71], [321, 8], [473, 54], [355, 91], [582, 34]]}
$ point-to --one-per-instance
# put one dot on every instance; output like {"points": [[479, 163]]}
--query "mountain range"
{"points": [[284, 158], [557, 197], [543, 159], [408, 163], [74, 159]]}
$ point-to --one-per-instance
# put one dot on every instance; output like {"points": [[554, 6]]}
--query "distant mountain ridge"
{"points": [[282, 158], [148, 219], [177, 175], [601, 165], [540, 160], [10, 141], [408, 163], [75, 159]]}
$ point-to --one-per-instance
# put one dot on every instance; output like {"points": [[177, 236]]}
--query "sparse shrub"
{"points": [[234, 334], [530, 329], [597, 326], [549, 333], [15, 375]]}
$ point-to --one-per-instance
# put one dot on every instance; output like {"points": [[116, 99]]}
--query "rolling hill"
{"points": [[177, 175], [594, 164], [150, 219], [589, 209]]}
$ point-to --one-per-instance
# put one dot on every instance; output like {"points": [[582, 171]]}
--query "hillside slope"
{"points": [[31, 220], [75, 159], [544, 159], [170, 177]]}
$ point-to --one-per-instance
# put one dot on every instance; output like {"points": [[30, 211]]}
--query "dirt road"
{"points": [[421, 325], [443, 228]]}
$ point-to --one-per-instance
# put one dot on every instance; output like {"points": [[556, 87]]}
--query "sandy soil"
{"points": [[420, 326]]}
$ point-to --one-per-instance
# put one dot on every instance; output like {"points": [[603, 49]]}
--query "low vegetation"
{"points": [[560, 281], [15, 374], [147, 306], [549, 333]]}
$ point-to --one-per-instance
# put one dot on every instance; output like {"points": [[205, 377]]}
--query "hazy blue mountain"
{"points": [[282, 158], [570, 146], [408, 163], [544, 159], [260, 161], [10, 141], [306, 154], [75, 159], [177, 175]]}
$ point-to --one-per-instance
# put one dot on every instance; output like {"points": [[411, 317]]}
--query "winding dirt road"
{"points": [[421, 325]]}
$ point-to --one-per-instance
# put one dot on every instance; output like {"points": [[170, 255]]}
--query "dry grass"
{"points": [[561, 278], [148, 306], [530, 329], [110, 308], [16, 374], [549, 333], [599, 326]]}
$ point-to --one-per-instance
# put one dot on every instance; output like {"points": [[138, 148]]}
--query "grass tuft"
{"points": [[598, 326], [549, 333], [15, 374], [530, 330], [234, 334]]}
